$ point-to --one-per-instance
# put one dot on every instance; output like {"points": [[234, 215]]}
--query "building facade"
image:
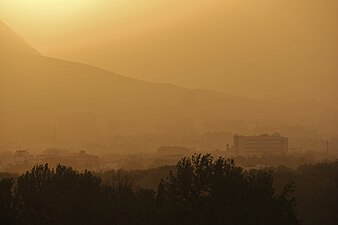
{"points": [[261, 144]]}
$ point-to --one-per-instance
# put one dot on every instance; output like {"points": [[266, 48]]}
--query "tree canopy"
{"points": [[200, 190]]}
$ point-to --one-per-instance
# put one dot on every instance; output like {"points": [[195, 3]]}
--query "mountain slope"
{"points": [[11, 43], [37, 89], [33, 85], [263, 49]]}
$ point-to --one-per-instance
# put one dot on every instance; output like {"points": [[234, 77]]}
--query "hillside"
{"points": [[11, 43], [38, 89], [49, 87]]}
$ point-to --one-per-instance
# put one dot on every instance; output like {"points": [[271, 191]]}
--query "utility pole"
{"points": [[55, 136]]}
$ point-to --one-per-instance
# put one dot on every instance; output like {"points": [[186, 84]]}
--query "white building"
{"points": [[262, 144]]}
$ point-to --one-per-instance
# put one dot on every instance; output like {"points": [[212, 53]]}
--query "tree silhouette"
{"points": [[7, 211], [60, 196], [201, 190], [207, 191]]}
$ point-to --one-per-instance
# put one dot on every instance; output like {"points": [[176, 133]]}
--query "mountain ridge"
{"points": [[12, 43], [50, 88]]}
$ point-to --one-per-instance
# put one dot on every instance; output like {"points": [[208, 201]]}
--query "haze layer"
{"points": [[275, 50]]}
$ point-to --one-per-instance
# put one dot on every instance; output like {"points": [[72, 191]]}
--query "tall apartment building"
{"points": [[262, 144]]}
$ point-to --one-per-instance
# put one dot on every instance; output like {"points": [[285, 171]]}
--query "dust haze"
{"points": [[184, 106]]}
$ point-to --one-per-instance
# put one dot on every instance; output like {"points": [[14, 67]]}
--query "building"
{"points": [[173, 151], [6, 158], [22, 156], [262, 144], [332, 146]]}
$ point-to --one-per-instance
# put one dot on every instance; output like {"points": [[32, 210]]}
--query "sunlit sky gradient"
{"points": [[277, 50], [43, 21]]}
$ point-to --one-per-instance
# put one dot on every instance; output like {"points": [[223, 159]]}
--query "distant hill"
{"points": [[11, 43], [34, 85], [35, 88], [262, 49]]}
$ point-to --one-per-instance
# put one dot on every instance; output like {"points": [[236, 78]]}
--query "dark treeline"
{"points": [[198, 190], [316, 190], [315, 187]]}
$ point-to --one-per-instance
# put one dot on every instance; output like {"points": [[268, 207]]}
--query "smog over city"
{"points": [[169, 112]]}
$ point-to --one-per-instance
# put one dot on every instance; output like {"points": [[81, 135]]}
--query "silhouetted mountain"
{"points": [[262, 49], [11, 43], [36, 88]]}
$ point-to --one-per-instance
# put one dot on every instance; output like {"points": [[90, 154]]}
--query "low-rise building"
{"points": [[173, 151], [21, 156], [332, 146], [261, 144]]}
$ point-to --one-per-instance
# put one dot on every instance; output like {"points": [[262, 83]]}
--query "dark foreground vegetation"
{"points": [[198, 190]]}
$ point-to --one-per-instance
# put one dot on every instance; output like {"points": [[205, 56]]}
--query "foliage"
{"points": [[204, 191], [7, 215], [316, 189], [200, 190]]}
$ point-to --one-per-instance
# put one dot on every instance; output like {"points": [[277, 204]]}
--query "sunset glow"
{"points": [[162, 112]]}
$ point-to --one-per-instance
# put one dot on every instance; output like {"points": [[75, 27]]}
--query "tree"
{"points": [[60, 196], [64, 196], [208, 191], [200, 191], [7, 210]]}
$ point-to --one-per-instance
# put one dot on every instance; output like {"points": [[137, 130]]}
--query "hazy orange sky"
{"points": [[277, 50]]}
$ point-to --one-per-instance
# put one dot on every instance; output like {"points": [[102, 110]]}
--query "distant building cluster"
{"points": [[249, 146], [174, 151], [332, 145], [20, 159]]}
